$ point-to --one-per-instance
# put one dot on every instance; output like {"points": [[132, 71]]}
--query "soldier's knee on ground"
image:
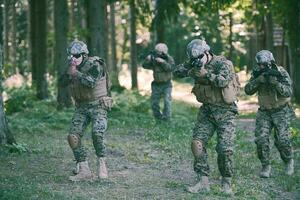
{"points": [[74, 140], [197, 147]]}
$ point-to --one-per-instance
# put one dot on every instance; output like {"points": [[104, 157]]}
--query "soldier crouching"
{"points": [[88, 82], [274, 88]]}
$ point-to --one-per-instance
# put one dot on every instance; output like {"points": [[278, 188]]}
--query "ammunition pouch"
{"points": [[162, 76], [232, 90], [106, 102]]}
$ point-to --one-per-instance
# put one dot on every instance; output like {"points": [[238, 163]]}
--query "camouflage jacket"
{"points": [[162, 72], [218, 75], [88, 79], [218, 72], [271, 96]]}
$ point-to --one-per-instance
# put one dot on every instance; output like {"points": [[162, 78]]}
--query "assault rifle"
{"points": [[270, 70], [155, 54], [197, 62]]}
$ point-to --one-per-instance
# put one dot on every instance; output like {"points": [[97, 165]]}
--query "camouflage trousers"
{"points": [[160, 90], [279, 120], [83, 116], [213, 118]]}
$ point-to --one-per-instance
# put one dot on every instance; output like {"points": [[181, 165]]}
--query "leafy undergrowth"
{"points": [[147, 160]]}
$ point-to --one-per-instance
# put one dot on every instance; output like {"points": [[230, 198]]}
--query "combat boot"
{"points": [[84, 173], [201, 186], [102, 169], [76, 169], [226, 185], [265, 171], [289, 168]]}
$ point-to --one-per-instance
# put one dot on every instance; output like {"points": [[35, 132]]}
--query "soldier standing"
{"points": [[88, 82], [216, 86], [161, 63], [274, 88]]}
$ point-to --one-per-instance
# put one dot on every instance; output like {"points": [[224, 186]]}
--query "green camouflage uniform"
{"points": [[214, 114], [275, 113], [161, 86], [88, 111]]}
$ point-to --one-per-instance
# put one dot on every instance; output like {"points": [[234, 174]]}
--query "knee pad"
{"points": [[197, 148], [74, 140]]}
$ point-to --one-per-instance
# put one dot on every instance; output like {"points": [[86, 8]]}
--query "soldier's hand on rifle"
{"points": [[72, 68], [273, 80], [200, 73], [261, 79], [203, 72], [159, 60]]}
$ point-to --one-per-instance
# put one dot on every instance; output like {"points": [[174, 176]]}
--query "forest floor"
{"points": [[146, 160]]}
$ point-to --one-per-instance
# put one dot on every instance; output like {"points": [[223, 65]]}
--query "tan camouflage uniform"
{"points": [[161, 86], [88, 110], [275, 114], [214, 114]]}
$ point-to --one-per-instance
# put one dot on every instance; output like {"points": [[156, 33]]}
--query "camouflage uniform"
{"points": [[214, 114], [88, 110], [161, 86], [275, 113]]}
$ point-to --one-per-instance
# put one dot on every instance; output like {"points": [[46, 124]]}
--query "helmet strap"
{"points": [[208, 56]]}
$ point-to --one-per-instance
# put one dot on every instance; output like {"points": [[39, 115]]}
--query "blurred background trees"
{"points": [[35, 34]]}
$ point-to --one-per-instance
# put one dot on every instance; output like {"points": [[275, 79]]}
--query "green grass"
{"points": [[148, 160]]}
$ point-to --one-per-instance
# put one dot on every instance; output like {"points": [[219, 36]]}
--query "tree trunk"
{"points": [[104, 30], [72, 16], [114, 68], [94, 27], [60, 56], [124, 45], [133, 49], [269, 32], [32, 44], [6, 30], [159, 22], [14, 37], [39, 47], [293, 31], [6, 136], [230, 54], [1, 22]]}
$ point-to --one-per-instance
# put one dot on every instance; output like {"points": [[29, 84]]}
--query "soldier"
{"points": [[88, 82], [274, 88], [216, 86], [161, 63]]}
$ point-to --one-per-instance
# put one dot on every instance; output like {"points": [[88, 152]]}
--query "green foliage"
{"points": [[19, 99], [137, 147], [17, 148], [131, 101]]}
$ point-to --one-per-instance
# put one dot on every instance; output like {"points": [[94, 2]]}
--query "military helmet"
{"points": [[77, 47], [264, 56], [196, 47], [161, 48]]}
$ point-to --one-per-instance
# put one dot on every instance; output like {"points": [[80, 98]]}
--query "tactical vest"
{"points": [[209, 93], [269, 98], [160, 75], [84, 94]]}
